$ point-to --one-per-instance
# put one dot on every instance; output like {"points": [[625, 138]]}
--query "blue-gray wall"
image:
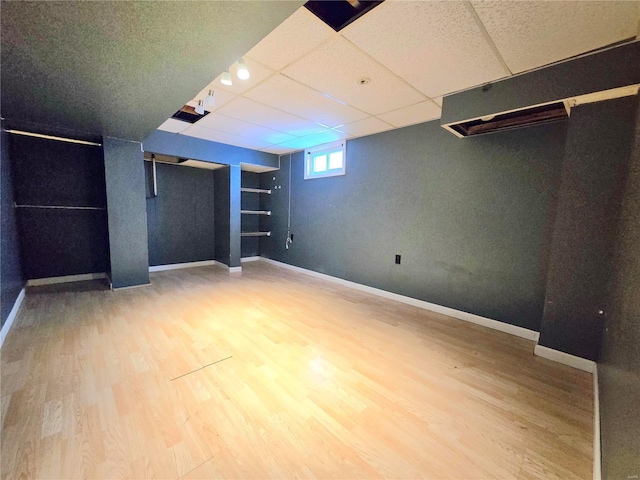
{"points": [[596, 160], [60, 241], [11, 279], [471, 218], [619, 363], [180, 220], [127, 212]]}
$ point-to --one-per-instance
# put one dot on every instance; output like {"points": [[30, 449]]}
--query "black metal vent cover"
{"points": [[188, 114], [340, 13]]}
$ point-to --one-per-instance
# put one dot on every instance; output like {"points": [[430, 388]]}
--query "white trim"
{"points": [[34, 282], [564, 358], [250, 259], [11, 317], [467, 317], [234, 269], [597, 452], [175, 266], [113, 289]]}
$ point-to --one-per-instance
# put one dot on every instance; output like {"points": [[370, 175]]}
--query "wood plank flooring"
{"points": [[312, 380]]}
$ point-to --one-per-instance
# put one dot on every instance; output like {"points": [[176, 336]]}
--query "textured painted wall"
{"points": [[127, 212], [471, 218], [11, 279], [619, 365], [597, 153], [58, 242], [180, 220]]}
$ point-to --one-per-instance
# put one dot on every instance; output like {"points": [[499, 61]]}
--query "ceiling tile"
{"points": [[241, 128], [438, 48], [223, 137], [368, 126], [438, 100], [336, 68], [174, 126], [294, 37], [256, 113], [220, 98], [532, 34], [288, 95], [257, 72], [421, 112], [314, 140]]}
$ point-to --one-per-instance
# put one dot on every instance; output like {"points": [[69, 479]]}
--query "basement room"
{"points": [[326, 239]]}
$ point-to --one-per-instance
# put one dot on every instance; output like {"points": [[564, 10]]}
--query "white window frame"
{"points": [[327, 149]]}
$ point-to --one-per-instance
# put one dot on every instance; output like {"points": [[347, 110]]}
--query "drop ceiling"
{"points": [[391, 67]]}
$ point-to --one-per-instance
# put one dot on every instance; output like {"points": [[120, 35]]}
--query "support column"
{"points": [[126, 212]]}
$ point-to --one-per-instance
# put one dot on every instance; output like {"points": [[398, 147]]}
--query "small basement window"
{"points": [[326, 160]]}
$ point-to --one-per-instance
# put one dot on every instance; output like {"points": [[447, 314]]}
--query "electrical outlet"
{"points": [[397, 259]]}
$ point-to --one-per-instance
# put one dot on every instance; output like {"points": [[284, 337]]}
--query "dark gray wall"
{"points": [[180, 220], [250, 223], [222, 206], [596, 159], [127, 213], [11, 279], [613, 68], [54, 241], [471, 218], [619, 363]]}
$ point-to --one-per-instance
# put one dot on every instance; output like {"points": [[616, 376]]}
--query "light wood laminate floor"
{"points": [[312, 380]]}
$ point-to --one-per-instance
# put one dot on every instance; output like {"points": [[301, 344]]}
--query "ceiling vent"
{"points": [[339, 14], [188, 114], [534, 115], [525, 117]]}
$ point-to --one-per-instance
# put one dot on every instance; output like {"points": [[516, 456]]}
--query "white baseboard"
{"points": [[129, 287], [66, 279], [234, 269], [597, 452], [467, 317], [564, 358], [12, 316], [175, 266], [250, 259]]}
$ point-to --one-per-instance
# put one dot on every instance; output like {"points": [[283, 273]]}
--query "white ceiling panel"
{"points": [[438, 100], [296, 36], [368, 126], [257, 72], [223, 137], [421, 112], [532, 34], [174, 126], [313, 140], [288, 95], [435, 46], [336, 68], [256, 113], [241, 128]]}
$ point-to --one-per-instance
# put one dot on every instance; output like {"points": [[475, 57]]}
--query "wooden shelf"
{"points": [[255, 234], [256, 190], [256, 212]]}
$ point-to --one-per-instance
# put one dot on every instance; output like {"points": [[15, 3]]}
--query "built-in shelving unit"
{"points": [[256, 212]]}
